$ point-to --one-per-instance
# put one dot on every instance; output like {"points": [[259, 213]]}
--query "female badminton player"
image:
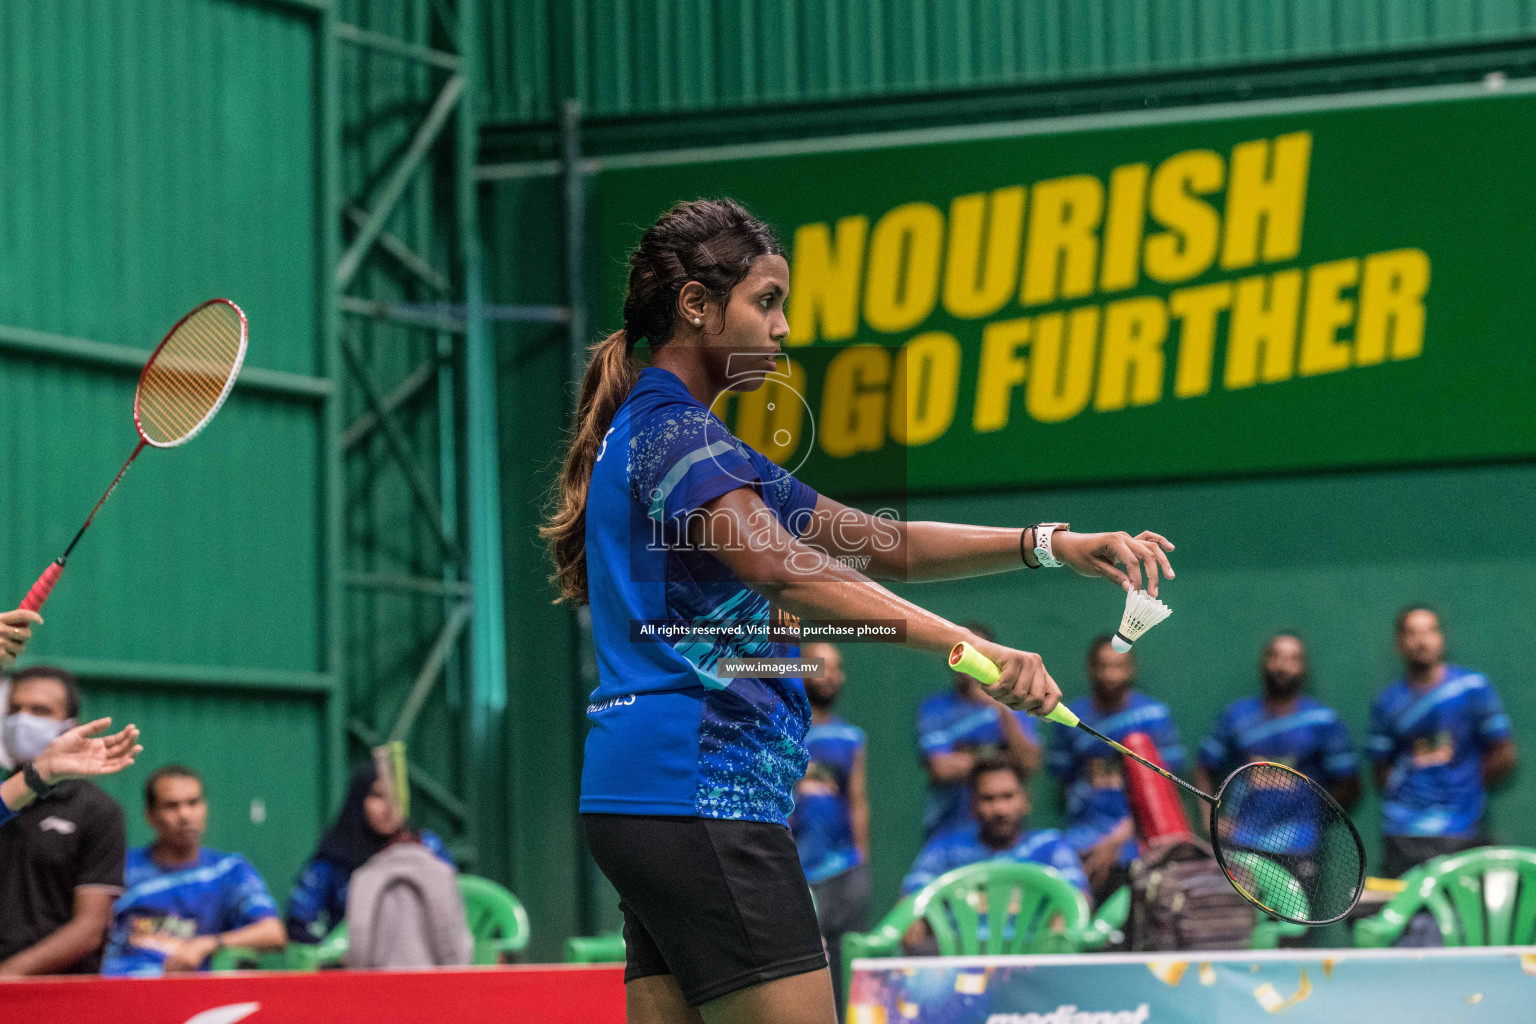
{"points": [[663, 518]]}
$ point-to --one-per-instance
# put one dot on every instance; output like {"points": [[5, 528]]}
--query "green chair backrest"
{"points": [[1027, 908], [1481, 897], [607, 948], [495, 917]]}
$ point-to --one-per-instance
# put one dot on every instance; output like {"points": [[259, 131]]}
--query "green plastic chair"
{"points": [[1048, 913], [1267, 930], [496, 919], [243, 958], [1482, 897], [607, 948]]}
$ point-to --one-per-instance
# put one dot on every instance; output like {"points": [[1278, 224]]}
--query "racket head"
{"points": [[1286, 845], [190, 374]]}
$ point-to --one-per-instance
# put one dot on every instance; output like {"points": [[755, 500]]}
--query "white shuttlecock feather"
{"points": [[1142, 612]]}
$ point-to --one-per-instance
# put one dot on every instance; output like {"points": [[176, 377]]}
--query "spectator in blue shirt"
{"points": [[956, 730], [366, 824], [830, 821], [999, 807], [182, 901], [1285, 725], [1439, 737], [1092, 776]]}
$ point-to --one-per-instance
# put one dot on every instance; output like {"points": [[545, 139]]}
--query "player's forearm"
{"points": [[858, 819], [264, 934], [1499, 764], [16, 793], [838, 592], [66, 946], [1020, 749], [945, 551]]}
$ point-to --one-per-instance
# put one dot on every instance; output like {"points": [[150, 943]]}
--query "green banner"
{"points": [[1237, 290]]}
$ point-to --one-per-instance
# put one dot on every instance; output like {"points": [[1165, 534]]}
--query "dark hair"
{"points": [[1400, 624], [711, 241], [66, 679], [170, 771], [987, 765]]}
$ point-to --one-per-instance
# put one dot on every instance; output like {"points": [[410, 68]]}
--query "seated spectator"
{"points": [[999, 807], [958, 728], [185, 902], [319, 898], [403, 905], [1439, 738], [1092, 776], [61, 857], [830, 822], [1285, 725]]}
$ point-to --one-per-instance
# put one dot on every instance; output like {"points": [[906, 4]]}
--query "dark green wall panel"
{"points": [[1333, 557], [255, 752], [633, 57]]}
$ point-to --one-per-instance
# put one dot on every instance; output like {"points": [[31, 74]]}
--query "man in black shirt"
{"points": [[61, 858]]}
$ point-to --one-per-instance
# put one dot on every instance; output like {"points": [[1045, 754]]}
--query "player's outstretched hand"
{"points": [[79, 752], [15, 631], [1102, 554], [1024, 685]]}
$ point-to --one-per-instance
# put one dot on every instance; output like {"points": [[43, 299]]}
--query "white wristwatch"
{"points": [[1043, 553]]}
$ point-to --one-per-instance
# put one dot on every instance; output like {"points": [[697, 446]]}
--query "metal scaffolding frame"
{"points": [[402, 239]]}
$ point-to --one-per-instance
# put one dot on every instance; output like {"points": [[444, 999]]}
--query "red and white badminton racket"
{"points": [[183, 385]]}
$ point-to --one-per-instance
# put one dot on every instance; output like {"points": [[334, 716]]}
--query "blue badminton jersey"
{"points": [[959, 847], [822, 822], [1093, 774], [1310, 739], [668, 735], [160, 908], [947, 722], [1434, 741]]}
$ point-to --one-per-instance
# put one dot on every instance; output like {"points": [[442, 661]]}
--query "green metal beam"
{"points": [[395, 47], [127, 358], [421, 492], [212, 677], [412, 385], [394, 186], [410, 584], [427, 678], [404, 254]]}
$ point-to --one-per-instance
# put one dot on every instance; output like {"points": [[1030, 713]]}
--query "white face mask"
{"points": [[27, 736]]}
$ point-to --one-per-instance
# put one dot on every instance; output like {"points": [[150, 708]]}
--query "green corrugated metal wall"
{"points": [[627, 57], [153, 155]]}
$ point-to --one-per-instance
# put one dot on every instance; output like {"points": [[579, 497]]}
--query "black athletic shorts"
{"points": [[719, 905]]}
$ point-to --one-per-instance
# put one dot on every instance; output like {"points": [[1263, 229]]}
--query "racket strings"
{"points": [[1288, 845], [189, 375]]}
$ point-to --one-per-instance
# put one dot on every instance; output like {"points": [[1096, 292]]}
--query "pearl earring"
{"points": [[697, 320]]}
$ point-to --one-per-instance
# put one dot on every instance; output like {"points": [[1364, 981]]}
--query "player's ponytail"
{"points": [[711, 241]]}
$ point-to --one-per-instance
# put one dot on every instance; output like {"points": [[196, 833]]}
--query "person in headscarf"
{"points": [[368, 822]]}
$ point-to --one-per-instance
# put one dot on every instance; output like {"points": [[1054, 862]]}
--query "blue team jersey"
{"points": [[318, 901], [670, 736], [160, 908], [959, 847], [1434, 741], [947, 722], [1310, 739], [1093, 774], [821, 823]]}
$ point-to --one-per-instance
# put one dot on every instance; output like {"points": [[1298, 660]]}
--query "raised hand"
{"points": [[1102, 554], [15, 631], [79, 753]]}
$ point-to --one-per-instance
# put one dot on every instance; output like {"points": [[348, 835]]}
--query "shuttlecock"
{"points": [[1142, 612]]}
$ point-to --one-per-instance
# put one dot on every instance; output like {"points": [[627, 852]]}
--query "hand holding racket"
{"points": [[182, 386], [15, 631], [1286, 846]]}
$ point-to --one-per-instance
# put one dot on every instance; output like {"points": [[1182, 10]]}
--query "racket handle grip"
{"points": [[965, 658], [42, 588]]}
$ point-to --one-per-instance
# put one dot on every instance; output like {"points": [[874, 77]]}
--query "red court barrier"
{"points": [[554, 994]]}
